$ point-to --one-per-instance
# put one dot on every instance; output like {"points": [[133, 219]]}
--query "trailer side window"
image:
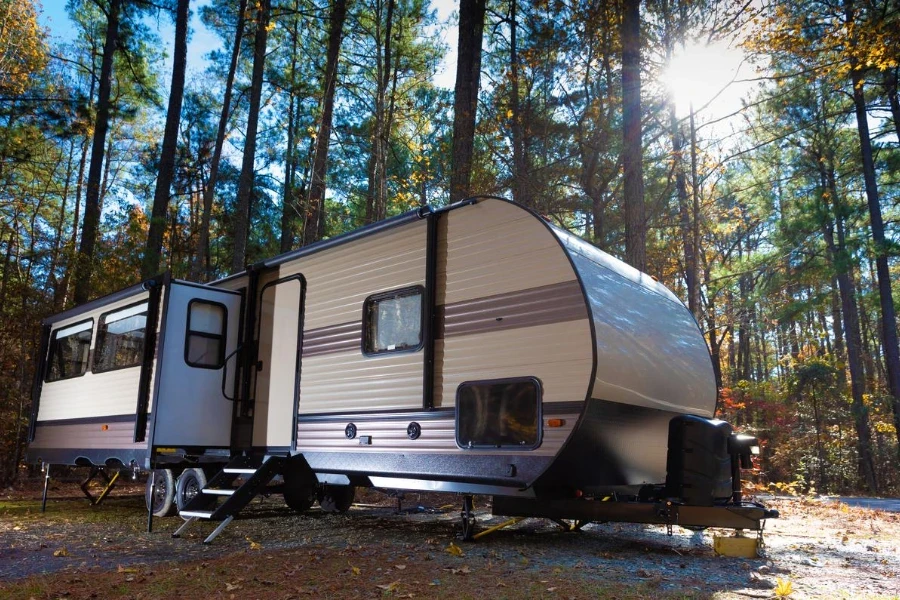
{"points": [[120, 338], [69, 351], [204, 344], [499, 413], [392, 321]]}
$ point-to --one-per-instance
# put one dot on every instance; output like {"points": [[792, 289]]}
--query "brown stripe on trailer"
{"points": [[333, 338], [544, 305], [116, 431]]}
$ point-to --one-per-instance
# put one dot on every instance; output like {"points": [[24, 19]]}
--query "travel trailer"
{"points": [[473, 349]]}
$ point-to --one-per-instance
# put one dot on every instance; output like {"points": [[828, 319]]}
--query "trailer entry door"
{"points": [[278, 369], [200, 331]]}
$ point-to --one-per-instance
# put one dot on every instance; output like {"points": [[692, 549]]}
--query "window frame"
{"points": [[53, 338], [539, 416], [388, 295], [223, 336], [96, 341]]}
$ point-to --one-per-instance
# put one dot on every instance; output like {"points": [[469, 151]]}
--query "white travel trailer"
{"points": [[472, 349]]}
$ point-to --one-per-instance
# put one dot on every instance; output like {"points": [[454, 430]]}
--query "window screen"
{"points": [[498, 413], [393, 321], [204, 344], [69, 351], [120, 338]]}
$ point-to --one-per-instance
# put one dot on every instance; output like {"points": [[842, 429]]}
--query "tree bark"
{"points": [[90, 227], [465, 95], [166, 173], [200, 257], [247, 178], [521, 188], [314, 228], [376, 203], [635, 218], [289, 205], [890, 90], [837, 250], [885, 295]]}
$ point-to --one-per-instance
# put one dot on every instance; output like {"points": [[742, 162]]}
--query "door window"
{"points": [[204, 343]]}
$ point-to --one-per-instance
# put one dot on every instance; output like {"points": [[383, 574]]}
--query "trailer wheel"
{"points": [[336, 498], [162, 499], [299, 491], [189, 485]]}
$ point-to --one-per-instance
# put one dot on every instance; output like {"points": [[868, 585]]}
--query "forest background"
{"points": [[772, 214]]}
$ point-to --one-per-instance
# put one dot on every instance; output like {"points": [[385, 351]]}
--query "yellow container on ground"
{"points": [[739, 547]]}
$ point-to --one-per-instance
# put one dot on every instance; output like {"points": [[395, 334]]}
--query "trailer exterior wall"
{"points": [[91, 417], [508, 305], [511, 304]]}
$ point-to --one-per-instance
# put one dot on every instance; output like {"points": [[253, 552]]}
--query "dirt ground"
{"points": [[817, 549]]}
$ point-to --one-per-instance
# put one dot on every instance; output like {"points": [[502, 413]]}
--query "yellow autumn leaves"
{"points": [[23, 51]]}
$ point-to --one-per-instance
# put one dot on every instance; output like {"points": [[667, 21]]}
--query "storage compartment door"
{"points": [[200, 331]]}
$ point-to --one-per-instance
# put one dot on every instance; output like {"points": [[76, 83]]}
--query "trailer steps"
{"points": [[256, 474]]}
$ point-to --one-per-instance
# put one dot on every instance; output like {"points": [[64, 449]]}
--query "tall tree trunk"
{"points": [[885, 294], [840, 259], [376, 202], [521, 188], [245, 183], [890, 90], [289, 205], [91, 225], [150, 266], [314, 228], [200, 257], [465, 95], [635, 218]]}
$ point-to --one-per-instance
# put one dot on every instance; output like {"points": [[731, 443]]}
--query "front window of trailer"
{"points": [[503, 413], [69, 351], [120, 338]]}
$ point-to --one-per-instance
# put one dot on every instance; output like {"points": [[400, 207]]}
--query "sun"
{"points": [[706, 76]]}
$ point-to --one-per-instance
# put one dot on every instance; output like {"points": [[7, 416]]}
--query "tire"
{"points": [[163, 497], [336, 498], [299, 490], [190, 482]]}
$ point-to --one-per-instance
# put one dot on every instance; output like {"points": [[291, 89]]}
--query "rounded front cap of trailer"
{"points": [[623, 351], [650, 351], [645, 348]]}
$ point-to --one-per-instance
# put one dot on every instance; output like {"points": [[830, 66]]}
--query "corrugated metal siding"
{"points": [[494, 247], [86, 435], [496, 260], [558, 354], [110, 393], [544, 305], [438, 437], [338, 282], [348, 381], [340, 279]]}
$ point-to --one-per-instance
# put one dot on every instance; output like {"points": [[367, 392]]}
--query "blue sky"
{"points": [[54, 17]]}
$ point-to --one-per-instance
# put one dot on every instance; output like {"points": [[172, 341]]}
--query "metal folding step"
{"points": [[256, 474]]}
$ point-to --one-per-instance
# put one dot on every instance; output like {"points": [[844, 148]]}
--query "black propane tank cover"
{"points": [[350, 431], [698, 464], [413, 431]]}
